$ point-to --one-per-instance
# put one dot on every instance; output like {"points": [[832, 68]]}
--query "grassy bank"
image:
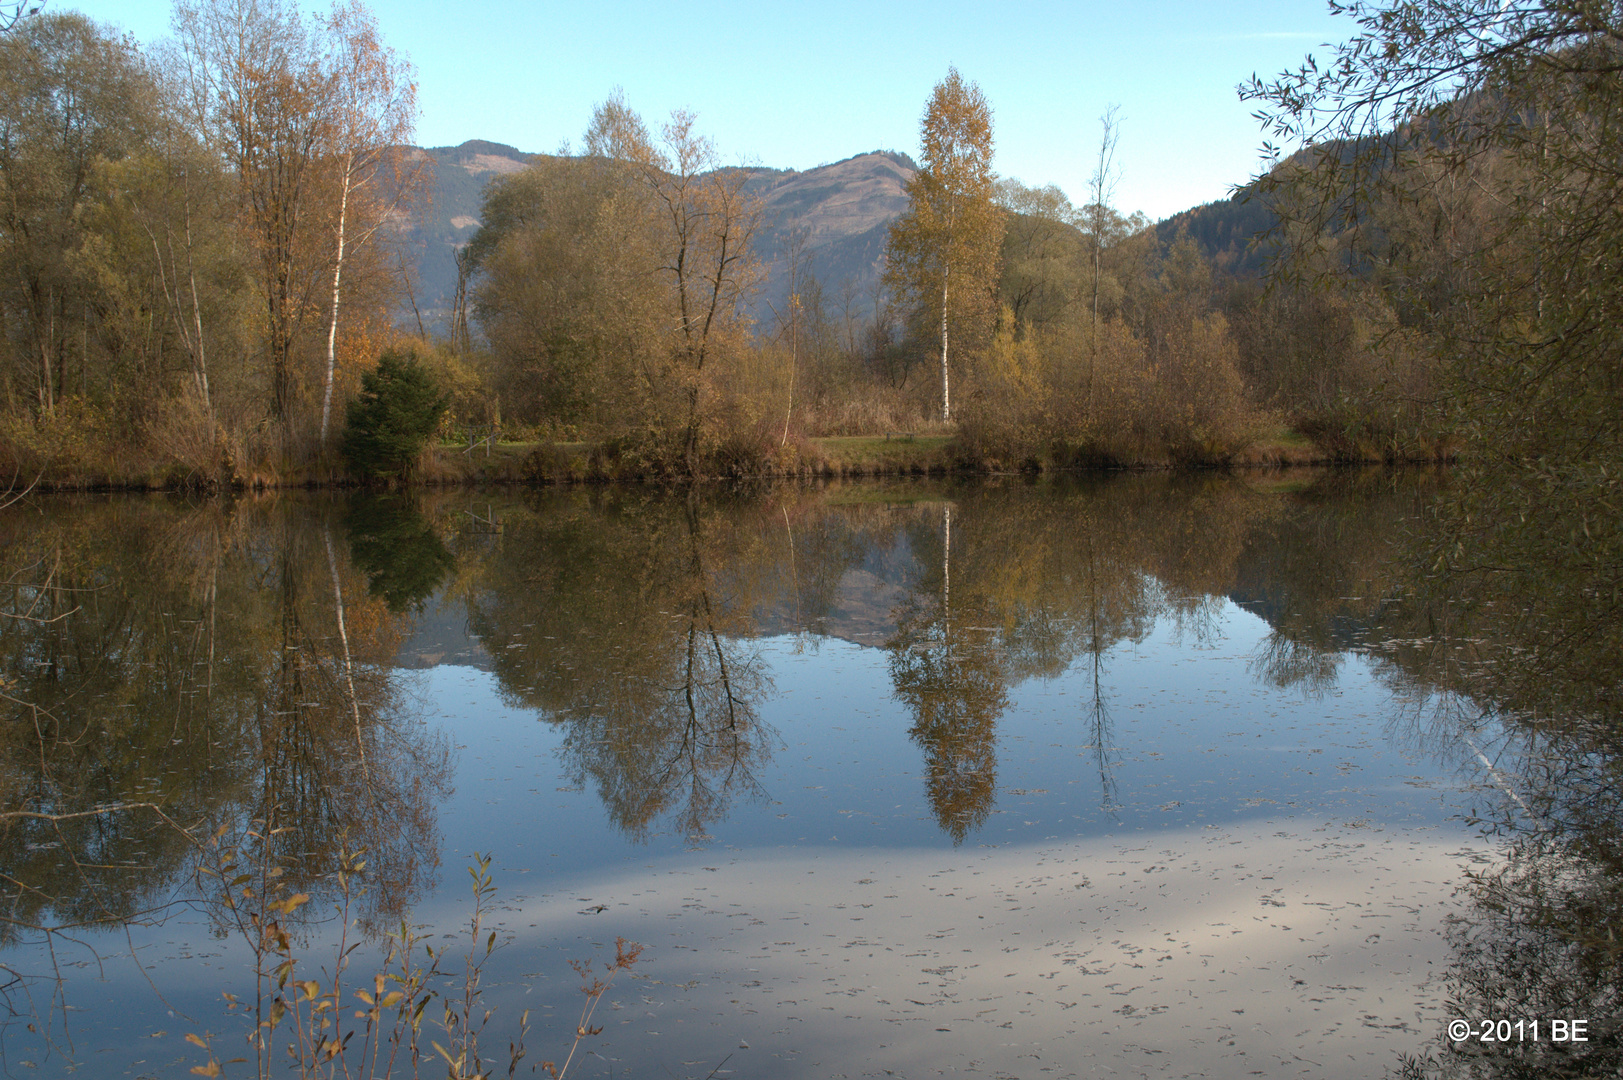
{"points": [[576, 463], [853, 456], [542, 462]]}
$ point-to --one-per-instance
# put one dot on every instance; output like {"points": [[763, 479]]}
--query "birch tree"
{"points": [[944, 249], [372, 119], [255, 87]]}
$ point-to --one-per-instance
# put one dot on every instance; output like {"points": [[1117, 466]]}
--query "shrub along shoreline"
{"points": [[544, 463]]}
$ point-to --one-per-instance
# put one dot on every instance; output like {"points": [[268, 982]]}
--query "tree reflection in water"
{"points": [[190, 659], [947, 669], [1532, 710], [1508, 657], [634, 640], [1012, 585], [234, 665]]}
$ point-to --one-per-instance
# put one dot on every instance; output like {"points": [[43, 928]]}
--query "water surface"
{"points": [[1148, 776]]}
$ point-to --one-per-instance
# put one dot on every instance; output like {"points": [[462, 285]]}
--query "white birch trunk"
{"points": [[349, 666], [197, 313], [332, 327], [946, 394]]}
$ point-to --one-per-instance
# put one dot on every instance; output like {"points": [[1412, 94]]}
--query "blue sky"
{"points": [[799, 86]]}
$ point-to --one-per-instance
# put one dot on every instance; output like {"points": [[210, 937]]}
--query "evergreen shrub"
{"points": [[398, 410]]}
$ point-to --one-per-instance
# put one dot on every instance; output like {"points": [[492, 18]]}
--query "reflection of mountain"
{"points": [[864, 609], [859, 604], [440, 636]]}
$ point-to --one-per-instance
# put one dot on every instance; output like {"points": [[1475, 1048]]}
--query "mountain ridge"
{"points": [[845, 207]]}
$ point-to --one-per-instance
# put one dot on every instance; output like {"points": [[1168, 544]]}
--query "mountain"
{"points": [[1226, 231], [448, 218], [1233, 232], [845, 209]]}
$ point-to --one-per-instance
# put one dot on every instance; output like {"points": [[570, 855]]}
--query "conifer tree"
{"points": [[398, 409]]}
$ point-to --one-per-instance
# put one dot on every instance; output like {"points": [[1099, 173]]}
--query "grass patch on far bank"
{"points": [[548, 462], [873, 454], [1282, 446], [504, 462]]}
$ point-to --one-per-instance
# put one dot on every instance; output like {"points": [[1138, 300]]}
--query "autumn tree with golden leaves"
{"points": [[943, 251], [307, 115], [372, 119]]}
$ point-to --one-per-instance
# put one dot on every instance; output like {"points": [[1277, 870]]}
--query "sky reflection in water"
{"points": [[1007, 781]]}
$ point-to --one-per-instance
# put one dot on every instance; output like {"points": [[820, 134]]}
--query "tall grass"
{"points": [[392, 1022]]}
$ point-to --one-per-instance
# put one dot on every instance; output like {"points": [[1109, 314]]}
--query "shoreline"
{"points": [[544, 464]]}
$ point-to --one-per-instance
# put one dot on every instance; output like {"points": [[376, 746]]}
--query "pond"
{"points": [[1140, 776]]}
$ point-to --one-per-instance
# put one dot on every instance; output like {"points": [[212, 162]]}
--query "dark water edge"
{"points": [[1126, 711]]}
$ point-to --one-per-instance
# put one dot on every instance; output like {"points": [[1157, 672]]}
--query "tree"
{"points": [[374, 111], [72, 100], [1097, 217], [399, 407], [1098, 214], [1463, 155], [254, 84], [1040, 256], [944, 248], [610, 283], [710, 220], [565, 292]]}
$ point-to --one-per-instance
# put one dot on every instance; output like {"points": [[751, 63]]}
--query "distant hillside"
{"points": [[1232, 231], [845, 208], [448, 218], [1226, 231]]}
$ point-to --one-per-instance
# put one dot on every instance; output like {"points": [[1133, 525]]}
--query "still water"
{"points": [[1139, 777]]}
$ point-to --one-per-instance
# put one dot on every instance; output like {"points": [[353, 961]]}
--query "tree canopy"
{"points": [[944, 250]]}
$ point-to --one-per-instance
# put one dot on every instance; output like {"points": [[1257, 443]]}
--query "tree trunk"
{"points": [[946, 395], [794, 358], [202, 372], [1093, 326], [332, 327]]}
